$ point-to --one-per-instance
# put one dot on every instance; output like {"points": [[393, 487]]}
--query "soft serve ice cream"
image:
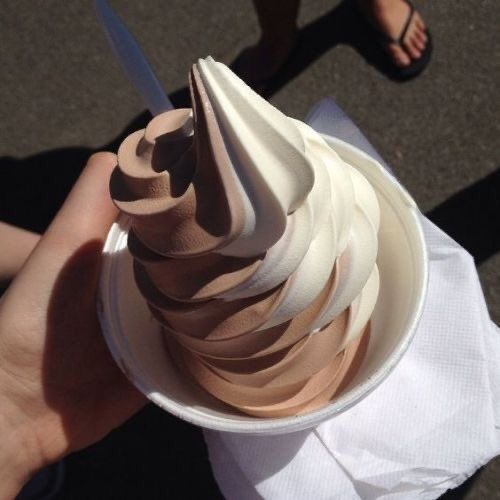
{"points": [[254, 245]]}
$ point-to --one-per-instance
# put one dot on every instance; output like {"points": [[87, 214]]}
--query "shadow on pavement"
{"points": [[470, 217]]}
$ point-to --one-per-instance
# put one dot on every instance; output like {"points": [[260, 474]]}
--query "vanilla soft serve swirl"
{"points": [[254, 245]]}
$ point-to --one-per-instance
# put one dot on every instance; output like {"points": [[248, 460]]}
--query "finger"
{"points": [[88, 211], [81, 223]]}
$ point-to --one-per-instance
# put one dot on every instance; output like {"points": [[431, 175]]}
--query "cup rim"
{"points": [[290, 423]]}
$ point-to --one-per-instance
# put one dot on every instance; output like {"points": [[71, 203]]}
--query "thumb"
{"points": [[88, 211], [85, 216]]}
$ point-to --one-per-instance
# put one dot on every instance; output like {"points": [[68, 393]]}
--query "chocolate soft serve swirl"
{"points": [[254, 245]]}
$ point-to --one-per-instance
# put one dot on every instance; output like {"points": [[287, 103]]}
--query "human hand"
{"points": [[60, 390]]}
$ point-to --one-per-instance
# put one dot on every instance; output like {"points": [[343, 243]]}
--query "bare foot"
{"points": [[389, 17]]}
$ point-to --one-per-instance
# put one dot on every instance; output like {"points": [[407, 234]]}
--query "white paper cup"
{"points": [[135, 339]]}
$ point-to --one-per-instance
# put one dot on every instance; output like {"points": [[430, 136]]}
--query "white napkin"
{"points": [[429, 426]]}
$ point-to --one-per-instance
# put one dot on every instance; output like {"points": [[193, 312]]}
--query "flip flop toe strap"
{"points": [[409, 19]]}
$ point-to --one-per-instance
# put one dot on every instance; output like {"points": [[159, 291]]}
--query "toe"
{"points": [[411, 49], [400, 58], [419, 23], [418, 42], [414, 42], [422, 36], [419, 28]]}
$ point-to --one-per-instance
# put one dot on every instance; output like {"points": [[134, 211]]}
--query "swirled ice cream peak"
{"points": [[254, 246], [267, 153]]}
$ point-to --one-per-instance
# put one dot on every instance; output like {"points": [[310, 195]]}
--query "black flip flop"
{"points": [[416, 66]]}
